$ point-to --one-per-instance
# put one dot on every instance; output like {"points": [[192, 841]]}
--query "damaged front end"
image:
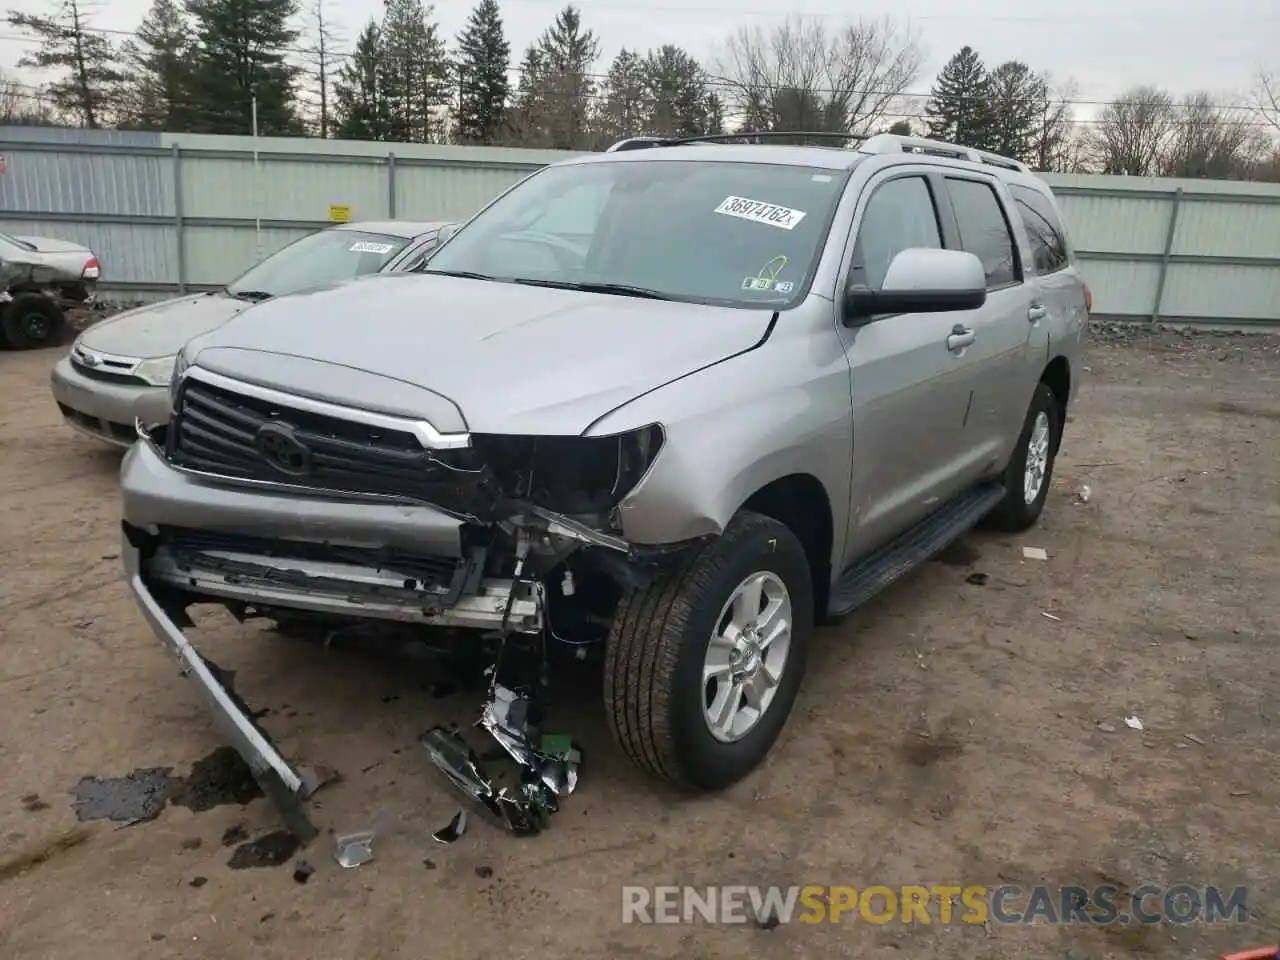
{"points": [[297, 514]]}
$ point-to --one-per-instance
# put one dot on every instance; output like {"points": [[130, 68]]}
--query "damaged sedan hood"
{"points": [[514, 359]]}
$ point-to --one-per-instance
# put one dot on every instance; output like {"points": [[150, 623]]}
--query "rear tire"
{"points": [[32, 321], [1030, 471], [663, 713]]}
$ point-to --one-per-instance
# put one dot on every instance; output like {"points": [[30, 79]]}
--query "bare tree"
{"points": [[321, 60], [1131, 133], [801, 76], [21, 105], [1268, 97], [1055, 143], [1210, 140]]}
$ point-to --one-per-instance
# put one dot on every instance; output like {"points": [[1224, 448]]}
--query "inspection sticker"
{"points": [[364, 246], [760, 212]]}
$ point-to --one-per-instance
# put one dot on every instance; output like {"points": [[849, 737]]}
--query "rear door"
{"points": [[909, 389], [998, 362]]}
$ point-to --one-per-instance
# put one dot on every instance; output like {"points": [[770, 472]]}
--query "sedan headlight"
{"points": [[158, 371]]}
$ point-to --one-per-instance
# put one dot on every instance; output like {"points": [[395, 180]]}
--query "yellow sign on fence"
{"points": [[339, 213]]}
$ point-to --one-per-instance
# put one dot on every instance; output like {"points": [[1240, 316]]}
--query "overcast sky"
{"points": [[1105, 45]]}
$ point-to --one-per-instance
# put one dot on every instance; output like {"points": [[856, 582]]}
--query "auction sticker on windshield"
{"points": [[760, 212], [364, 246]]}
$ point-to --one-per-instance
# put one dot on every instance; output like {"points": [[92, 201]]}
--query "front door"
{"points": [[909, 377]]}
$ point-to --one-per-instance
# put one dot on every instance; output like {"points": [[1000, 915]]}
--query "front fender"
{"points": [[736, 427]]}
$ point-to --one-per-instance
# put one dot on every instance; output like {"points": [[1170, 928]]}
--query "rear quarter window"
{"points": [[1045, 229]]}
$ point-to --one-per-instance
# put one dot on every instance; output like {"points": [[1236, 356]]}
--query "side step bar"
{"points": [[909, 549]]}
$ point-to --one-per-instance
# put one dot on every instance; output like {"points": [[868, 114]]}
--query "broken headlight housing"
{"points": [[570, 475]]}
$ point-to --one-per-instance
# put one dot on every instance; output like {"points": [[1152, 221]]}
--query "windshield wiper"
{"points": [[253, 296], [616, 289], [464, 274]]}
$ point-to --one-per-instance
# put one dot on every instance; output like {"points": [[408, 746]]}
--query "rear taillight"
{"points": [[1088, 299], [92, 270]]}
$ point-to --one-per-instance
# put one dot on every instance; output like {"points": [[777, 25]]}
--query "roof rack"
{"points": [[896, 143], [641, 143]]}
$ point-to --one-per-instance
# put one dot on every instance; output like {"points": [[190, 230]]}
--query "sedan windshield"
{"points": [[317, 260], [733, 233]]}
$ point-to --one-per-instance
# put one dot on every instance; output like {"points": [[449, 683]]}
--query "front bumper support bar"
{"points": [[287, 787]]}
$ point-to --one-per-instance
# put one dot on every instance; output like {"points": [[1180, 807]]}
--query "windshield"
{"points": [[740, 234], [317, 260]]}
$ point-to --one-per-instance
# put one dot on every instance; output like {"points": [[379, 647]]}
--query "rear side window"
{"points": [[984, 231], [899, 216], [1044, 226]]}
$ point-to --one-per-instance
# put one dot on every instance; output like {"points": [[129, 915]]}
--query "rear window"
{"points": [[984, 231], [1044, 227]]}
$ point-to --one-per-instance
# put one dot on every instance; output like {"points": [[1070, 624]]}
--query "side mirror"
{"points": [[921, 280]]}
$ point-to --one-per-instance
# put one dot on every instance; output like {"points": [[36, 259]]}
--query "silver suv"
{"points": [[683, 402]]}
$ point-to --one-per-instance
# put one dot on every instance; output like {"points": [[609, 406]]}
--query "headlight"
{"points": [[158, 371]]}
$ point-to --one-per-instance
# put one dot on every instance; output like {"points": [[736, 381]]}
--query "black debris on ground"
{"points": [[270, 850]]}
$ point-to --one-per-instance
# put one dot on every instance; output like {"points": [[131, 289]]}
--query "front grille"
{"points": [[433, 574], [217, 431], [108, 369]]}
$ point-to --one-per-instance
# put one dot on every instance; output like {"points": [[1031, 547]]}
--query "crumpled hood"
{"points": [[512, 358], [161, 329]]}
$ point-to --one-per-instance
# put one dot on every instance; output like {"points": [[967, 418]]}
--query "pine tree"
{"points": [[554, 100], [415, 65], [1019, 101], [959, 109], [157, 94], [680, 103], [360, 111], [91, 85], [484, 56], [623, 107], [240, 57]]}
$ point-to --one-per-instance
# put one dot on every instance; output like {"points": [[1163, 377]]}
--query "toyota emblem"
{"points": [[87, 358], [281, 449]]}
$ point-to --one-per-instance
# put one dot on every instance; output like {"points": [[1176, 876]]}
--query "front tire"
{"points": [[703, 666], [1030, 471]]}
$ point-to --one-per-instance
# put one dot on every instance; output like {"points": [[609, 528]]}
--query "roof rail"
{"points": [[895, 143], [640, 143]]}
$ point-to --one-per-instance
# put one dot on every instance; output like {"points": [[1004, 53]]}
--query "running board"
{"points": [[910, 548]]}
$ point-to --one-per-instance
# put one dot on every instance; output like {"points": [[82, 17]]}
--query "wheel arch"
{"points": [[800, 502], [1057, 377]]}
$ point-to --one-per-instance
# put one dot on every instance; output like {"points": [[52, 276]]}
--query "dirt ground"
{"points": [[951, 732]]}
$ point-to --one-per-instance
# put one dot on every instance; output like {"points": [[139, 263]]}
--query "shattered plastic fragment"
{"points": [[546, 766], [453, 830], [354, 849]]}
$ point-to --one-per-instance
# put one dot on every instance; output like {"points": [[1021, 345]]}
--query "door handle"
{"points": [[1036, 312], [960, 338]]}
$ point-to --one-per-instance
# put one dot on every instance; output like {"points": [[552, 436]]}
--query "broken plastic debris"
{"points": [[1133, 723], [354, 849], [1034, 553], [1050, 616], [545, 766], [1083, 494], [453, 830]]}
